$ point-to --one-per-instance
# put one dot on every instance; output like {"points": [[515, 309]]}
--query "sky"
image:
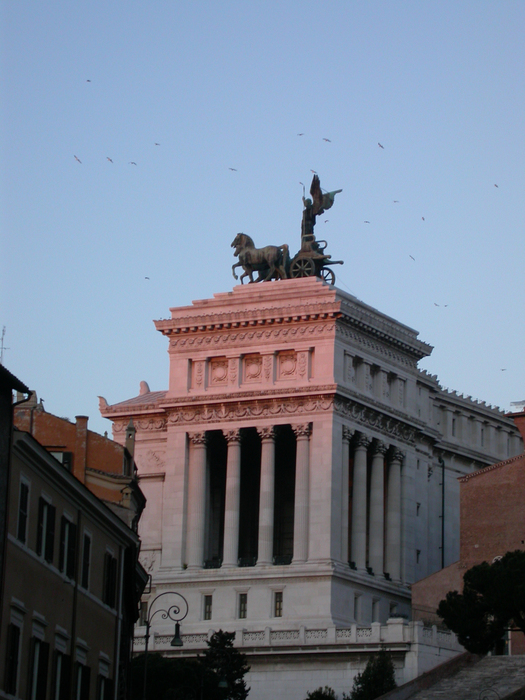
{"points": [[199, 105]]}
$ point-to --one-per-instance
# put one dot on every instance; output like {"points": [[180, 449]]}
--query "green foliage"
{"points": [[193, 679], [167, 679], [493, 598], [223, 662], [376, 680], [325, 693]]}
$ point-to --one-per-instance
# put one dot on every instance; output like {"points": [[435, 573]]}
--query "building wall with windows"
{"points": [[71, 587]]}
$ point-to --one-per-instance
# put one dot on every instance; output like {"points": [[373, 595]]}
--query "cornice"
{"points": [[251, 317]]}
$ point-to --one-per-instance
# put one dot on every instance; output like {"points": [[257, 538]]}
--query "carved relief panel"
{"points": [[218, 371], [287, 365], [252, 369]]}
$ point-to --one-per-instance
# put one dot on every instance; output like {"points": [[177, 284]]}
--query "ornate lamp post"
{"points": [[176, 613]]}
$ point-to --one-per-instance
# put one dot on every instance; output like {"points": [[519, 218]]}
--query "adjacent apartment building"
{"points": [[72, 579]]}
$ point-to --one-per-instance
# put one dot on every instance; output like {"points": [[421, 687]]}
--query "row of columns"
{"points": [[197, 497], [371, 517]]}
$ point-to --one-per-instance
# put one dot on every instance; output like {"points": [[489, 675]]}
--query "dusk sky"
{"points": [[137, 139]]}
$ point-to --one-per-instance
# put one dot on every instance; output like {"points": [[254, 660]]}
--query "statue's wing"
{"points": [[328, 199], [317, 196]]}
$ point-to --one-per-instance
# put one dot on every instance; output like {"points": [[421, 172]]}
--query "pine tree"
{"points": [[228, 665], [376, 680], [325, 693]]}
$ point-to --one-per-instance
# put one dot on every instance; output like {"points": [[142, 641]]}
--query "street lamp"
{"points": [[172, 613]]}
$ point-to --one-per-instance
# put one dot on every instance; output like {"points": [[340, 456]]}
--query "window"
{"points": [[418, 554], [13, 659], [65, 458], [375, 610], [356, 607], [243, 605], [86, 561], [68, 542], [61, 676], [23, 506], [39, 655], [82, 682], [110, 580], [45, 539], [143, 613], [104, 688], [278, 604], [208, 599], [393, 609]]}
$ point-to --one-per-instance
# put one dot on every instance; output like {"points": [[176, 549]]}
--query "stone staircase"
{"points": [[491, 678]]}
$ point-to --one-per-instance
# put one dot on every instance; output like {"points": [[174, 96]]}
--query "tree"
{"points": [[376, 680], [325, 693], [223, 662], [493, 599]]}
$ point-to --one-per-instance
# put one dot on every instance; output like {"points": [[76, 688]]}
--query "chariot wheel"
{"points": [[302, 267], [327, 275]]}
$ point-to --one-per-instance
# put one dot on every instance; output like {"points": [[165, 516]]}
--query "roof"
{"points": [[492, 467], [145, 400]]}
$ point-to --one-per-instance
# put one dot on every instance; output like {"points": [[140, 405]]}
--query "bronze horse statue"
{"points": [[270, 260]]}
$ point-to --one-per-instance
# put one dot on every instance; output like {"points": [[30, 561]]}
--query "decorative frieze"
{"points": [[249, 337]]}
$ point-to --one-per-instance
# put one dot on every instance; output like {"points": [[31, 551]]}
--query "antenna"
{"points": [[2, 347]]}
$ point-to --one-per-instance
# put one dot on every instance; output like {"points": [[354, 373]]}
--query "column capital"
{"points": [[198, 438], [266, 432], [302, 430], [362, 440], [398, 455], [348, 433], [232, 435], [379, 447]]}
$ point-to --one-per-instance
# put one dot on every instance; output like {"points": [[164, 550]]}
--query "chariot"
{"points": [[313, 263]]}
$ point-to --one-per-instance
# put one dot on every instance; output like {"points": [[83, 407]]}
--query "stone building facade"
{"points": [[300, 470]]}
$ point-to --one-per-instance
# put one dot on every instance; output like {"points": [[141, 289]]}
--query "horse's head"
{"points": [[237, 243], [241, 241]]}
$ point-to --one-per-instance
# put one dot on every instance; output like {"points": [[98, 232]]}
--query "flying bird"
{"points": [[380, 145], [132, 162], [78, 160], [495, 185], [413, 258], [422, 218], [234, 169], [366, 222], [396, 201], [327, 140], [109, 159], [146, 278], [88, 81], [157, 144], [326, 221], [313, 171], [300, 134], [436, 304], [504, 370]]}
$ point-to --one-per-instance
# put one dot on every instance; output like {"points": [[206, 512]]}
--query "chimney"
{"points": [[80, 458]]}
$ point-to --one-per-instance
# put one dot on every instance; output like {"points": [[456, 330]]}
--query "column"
{"points": [[358, 550], [377, 509], [196, 500], [266, 499], [393, 518], [345, 478], [233, 498], [302, 493]]}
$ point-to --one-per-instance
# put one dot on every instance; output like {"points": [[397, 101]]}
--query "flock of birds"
{"points": [[327, 140]]}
